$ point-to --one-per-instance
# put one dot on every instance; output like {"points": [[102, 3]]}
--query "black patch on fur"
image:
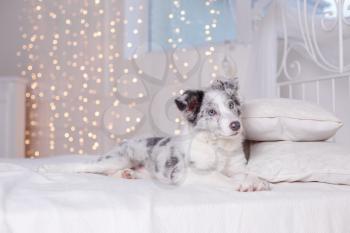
{"points": [[231, 87], [180, 105], [151, 142], [174, 173], [237, 103], [218, 84], [104, 157], [156, 167], [246, 149], [171, 162], [164, 142]]}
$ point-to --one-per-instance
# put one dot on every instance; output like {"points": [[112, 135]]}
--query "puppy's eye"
{"points": [[231, 105], [211, 112]]}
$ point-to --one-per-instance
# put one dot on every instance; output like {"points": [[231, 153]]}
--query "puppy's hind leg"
{"points": [[107, 167], [108, 164]]}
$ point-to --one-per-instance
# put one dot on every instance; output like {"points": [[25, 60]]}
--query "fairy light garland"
{"points": [[77, 69]]}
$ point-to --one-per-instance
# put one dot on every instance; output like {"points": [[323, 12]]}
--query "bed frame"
{"points": [[327, 82]]}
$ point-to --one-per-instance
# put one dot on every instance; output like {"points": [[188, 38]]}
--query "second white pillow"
{"points": [[300, 161]]}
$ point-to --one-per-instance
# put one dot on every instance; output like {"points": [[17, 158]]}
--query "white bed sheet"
{"points": [[82, 203]]}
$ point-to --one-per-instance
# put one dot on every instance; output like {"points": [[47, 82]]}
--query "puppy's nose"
{"points": [[235, 125]]}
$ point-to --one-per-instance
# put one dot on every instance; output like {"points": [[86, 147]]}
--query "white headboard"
{"points": [[314, 62]]}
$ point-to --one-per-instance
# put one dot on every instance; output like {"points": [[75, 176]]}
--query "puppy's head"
{"points": [[216, 110]]}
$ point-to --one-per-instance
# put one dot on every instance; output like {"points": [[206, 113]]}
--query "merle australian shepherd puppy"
{"points": [[211, 144]]}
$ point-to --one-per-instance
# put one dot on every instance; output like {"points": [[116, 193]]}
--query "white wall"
{"points": [[10, 10]]}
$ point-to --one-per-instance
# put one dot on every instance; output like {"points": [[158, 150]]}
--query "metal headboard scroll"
{"points": [[308, 18]]}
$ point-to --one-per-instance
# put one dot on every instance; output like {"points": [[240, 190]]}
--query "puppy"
{"points": [[211, 144]]}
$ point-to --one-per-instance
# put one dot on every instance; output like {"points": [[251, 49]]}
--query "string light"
{"points": [[75, 76]]}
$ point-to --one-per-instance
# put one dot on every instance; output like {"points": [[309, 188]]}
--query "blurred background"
{"points": [[79, 76]]}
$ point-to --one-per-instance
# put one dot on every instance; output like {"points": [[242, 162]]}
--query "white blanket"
{"points": [[86, 203]]}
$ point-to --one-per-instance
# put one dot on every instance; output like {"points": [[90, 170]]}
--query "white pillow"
{"points": [[300, 161], [287, 119]]}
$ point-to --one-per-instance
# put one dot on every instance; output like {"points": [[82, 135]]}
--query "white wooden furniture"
{"points": [[12, 116]]}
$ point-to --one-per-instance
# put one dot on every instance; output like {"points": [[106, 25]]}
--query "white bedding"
{"points": [[84, 203]]}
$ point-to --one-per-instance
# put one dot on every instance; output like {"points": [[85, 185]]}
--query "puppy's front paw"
{"points": [[128, 174], [251, 184], [125, 174]]}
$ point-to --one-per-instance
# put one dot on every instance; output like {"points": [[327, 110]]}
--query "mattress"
{"points": [[34, 202]]}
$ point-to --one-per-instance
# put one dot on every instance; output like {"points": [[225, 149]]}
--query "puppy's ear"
{"points": [[230, 86], [218, 84], [189, 103]]}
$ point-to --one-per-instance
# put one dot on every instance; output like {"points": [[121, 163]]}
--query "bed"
{"points": [[35, 202], [82, 203]]}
